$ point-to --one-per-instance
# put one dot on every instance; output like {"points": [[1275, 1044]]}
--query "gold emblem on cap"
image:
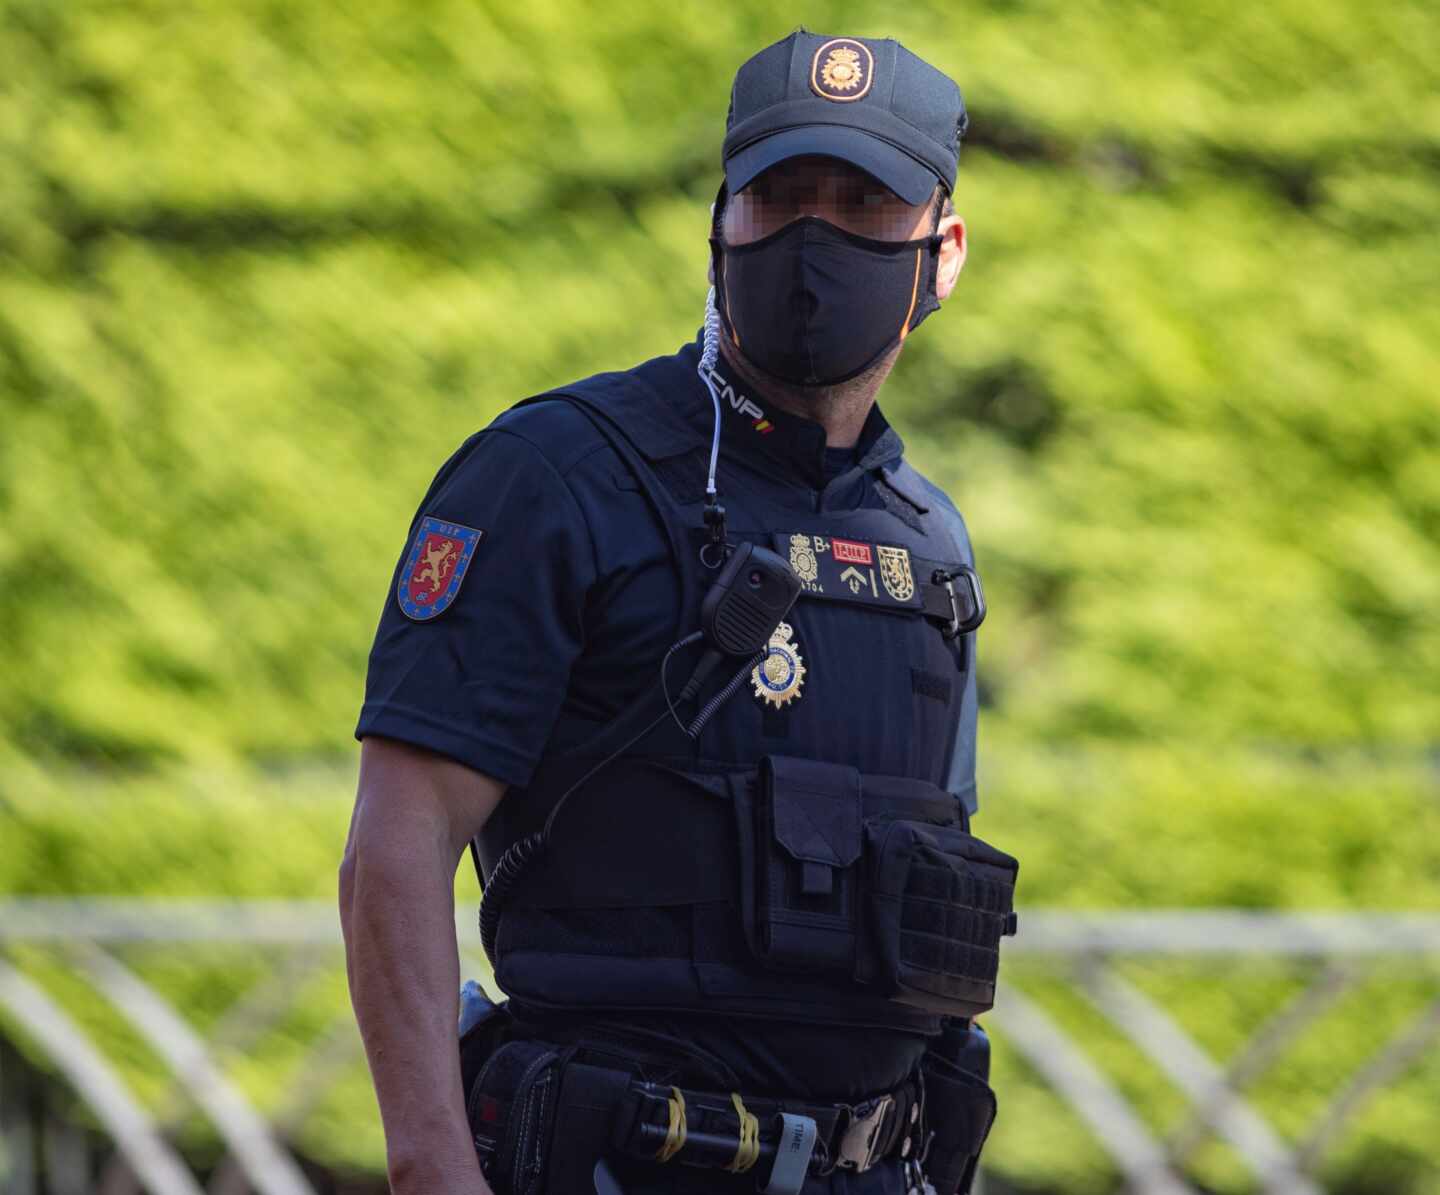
{"points": [[895, 573], [778, 677], [842, 70]]}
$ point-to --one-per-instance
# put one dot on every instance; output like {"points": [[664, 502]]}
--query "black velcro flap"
{"points": [[816, 812], [817, 879]]}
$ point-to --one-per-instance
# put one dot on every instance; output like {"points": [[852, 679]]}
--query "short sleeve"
{"points": [[483, 680]]}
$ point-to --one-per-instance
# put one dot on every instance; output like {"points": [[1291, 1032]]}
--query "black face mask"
{"points": [[815, 305]]}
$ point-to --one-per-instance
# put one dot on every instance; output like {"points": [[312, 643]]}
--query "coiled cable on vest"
{"points": [[720, 698], [503, 879], [523, 852], [692, 686]]}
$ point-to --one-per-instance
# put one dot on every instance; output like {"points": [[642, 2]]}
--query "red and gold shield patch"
{"points": [[438, 560]]}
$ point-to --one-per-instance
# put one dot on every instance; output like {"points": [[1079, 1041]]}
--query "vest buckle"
{"points": [[967, 615], [860, 1143]]}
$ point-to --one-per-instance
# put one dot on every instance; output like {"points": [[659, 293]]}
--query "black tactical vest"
{"points": [[805, 859]]}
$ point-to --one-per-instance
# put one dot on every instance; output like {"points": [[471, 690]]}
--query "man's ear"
{"points": [[952, 255]]}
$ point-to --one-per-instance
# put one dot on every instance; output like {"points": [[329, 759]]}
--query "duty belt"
{"points": [[545, 1116], [728, 1131]]}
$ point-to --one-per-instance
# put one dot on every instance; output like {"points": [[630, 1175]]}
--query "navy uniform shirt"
{"points": [[558, 596]]}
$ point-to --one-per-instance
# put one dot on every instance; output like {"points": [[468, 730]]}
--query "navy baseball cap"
{"points": [[868, 102]]}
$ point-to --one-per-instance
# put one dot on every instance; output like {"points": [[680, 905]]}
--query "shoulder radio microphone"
{"points": [[749, 598], [746, 604]]}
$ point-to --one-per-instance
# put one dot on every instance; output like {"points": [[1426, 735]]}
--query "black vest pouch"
{"points": [[873, 879], [939, 900], [810, 834], [960, 1107]]}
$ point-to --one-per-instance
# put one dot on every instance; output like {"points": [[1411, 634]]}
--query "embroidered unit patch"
{"points": [[895, 572], [439, 557]]}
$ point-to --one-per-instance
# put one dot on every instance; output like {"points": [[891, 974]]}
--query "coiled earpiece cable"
{"points": [[714, 553]]}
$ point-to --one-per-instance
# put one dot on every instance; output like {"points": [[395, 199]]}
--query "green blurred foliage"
{"points": [[264, 265]]}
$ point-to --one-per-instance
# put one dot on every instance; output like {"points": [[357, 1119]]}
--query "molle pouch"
{"points": [[511, 1109], [938, 901], [959, 1109], [807, 865]]}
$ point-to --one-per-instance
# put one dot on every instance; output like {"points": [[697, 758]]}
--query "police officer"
{"points": [[731, 891]]}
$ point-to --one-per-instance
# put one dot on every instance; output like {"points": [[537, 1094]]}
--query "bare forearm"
{"points": [[397, 911]]}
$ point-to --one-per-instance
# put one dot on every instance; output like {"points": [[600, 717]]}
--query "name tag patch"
{"points": [[850, 570]]}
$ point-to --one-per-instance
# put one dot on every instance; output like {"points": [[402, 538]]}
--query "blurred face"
{"points": [[818, 305], [837, 192]]}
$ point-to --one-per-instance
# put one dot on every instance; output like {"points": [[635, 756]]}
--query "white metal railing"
{"points": [[304, 936]]}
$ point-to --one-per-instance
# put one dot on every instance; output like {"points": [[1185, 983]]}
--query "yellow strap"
{"points": [[675, 1134], [748, 1152]]}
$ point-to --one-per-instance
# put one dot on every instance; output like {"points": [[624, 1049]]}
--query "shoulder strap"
{"points": [[603, 400], [938, 514], [649, 406]]}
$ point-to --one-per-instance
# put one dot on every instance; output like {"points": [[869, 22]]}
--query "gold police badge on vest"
{"points": [[778, 677], [842, 70], [895, 572]]}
